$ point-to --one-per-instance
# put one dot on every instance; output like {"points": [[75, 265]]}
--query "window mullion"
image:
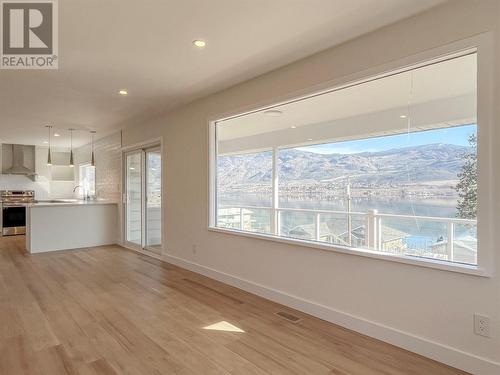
{"points": [[275, 198]]}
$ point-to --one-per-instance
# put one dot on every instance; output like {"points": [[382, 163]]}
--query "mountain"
{"points": [[395, 167]]}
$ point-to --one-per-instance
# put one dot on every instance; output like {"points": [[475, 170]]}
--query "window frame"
{"points": [[482, 46]]}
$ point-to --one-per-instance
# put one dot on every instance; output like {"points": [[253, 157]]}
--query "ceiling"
{"points": [[146, 47]]}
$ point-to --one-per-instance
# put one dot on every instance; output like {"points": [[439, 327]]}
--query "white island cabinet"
{"points": [[63, 226]]}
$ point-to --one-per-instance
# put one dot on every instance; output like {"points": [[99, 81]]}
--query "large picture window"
{"points": [[388, 165]]}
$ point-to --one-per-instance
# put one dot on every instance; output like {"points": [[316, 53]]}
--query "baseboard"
{"points": [[79, 247], [427, 348]]}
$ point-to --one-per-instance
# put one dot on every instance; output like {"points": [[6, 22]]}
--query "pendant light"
{"points": [[92, 156], [49, 157], [71, 163]]}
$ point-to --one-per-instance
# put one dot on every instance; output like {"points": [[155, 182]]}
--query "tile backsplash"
{"points": [[13, 182]]}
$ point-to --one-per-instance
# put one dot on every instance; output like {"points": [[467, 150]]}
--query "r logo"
{"points": [[27, 28], [29, 34]]}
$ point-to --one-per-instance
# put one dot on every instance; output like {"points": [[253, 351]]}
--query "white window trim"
{"points": [[482, 44]]}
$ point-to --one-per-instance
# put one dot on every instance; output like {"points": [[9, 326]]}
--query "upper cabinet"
{"points": [[60, 169]]}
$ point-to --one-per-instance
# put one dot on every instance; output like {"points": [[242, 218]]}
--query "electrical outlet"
{"points": [[194, 249], [481, 325]]}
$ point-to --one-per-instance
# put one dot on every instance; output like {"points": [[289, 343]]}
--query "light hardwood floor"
{"points": [[112, 311]]}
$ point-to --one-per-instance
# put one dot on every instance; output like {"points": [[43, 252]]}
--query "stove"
{"points": [[14, 203]]}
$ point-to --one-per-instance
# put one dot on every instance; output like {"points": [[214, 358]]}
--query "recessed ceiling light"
{"points": [[403, 116], [293, 127], [199, 43], [309, 139], [123, 92], [57, 135], [273, 113]]}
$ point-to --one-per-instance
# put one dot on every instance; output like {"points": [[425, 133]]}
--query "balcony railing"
{"points": [[449, 239]]}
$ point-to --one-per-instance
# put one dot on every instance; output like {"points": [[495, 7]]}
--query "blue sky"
{"points": [[456, 135]]}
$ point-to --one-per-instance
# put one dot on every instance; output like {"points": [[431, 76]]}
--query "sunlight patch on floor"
{"points": [[224, 326]]}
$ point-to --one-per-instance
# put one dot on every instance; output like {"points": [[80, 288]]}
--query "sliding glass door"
{"points": [[142, 199], [153, 198], [133, 202]]}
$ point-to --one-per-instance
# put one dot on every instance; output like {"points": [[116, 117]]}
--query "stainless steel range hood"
{"points": [[19, 160]]}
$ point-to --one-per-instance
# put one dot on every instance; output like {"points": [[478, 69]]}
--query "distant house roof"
{"points": [[359, 232]]}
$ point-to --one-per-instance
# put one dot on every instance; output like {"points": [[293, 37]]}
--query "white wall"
{"points": [[428, 311]]}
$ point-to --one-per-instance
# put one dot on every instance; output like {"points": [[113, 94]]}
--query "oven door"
{"points": [[13, 220]]}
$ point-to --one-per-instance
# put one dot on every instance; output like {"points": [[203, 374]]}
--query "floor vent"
{"points": [[289, 317]]}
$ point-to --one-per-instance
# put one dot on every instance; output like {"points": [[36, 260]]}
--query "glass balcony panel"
{"points": [[245, 218], [299, 225], [415, 237], [335, 229], [256, 220], [465, 243], [229, 217]]}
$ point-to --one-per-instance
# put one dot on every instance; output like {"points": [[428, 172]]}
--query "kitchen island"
{"points": [[63, 225]]}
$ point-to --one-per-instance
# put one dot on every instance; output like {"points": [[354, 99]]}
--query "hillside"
{"points": [[427, 164]]}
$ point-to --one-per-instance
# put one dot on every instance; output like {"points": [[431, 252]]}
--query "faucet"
{"points": [[85, 196]]}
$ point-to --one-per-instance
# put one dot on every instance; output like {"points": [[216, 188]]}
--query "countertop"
{"points": [[64, 203]]}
